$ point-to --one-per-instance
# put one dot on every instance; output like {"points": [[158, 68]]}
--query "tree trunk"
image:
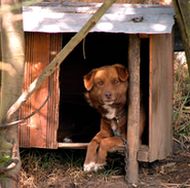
{"points": [[182, 9], [12, 69]]}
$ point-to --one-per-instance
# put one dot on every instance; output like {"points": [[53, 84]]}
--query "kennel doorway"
{"points": [[78, 122], [67, 120]]}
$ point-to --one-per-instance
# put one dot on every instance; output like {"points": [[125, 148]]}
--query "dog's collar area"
{"points": [[115, 125], [117, 119], [119, 116]]}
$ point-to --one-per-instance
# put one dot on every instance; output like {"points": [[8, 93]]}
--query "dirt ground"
{"points": [[63, 169]]}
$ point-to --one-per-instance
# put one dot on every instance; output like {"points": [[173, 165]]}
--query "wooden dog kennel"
{"points": [[49, 26]]}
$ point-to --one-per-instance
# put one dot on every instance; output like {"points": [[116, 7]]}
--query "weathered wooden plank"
{"points": [[165, 2], [40, 129], [143, 153], [54, 92], [160, 101], [24, 130], [73, 145], [126, 18], [133, 107], [38, 60]]}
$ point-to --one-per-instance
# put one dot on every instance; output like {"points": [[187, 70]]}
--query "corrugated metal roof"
{"points": [[123, 18]]}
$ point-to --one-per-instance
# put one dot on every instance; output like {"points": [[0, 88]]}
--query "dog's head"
{"points": [[107, 85]]}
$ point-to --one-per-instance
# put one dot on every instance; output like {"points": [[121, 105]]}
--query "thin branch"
{"points": [[12, 165], [171, 185], [13, 162], [60, 57]]}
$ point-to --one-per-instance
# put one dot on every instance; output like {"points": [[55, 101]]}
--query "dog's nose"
{"points": [[108, 95]]}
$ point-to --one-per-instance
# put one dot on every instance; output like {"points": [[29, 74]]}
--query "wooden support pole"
{"points": [[133, 108]]}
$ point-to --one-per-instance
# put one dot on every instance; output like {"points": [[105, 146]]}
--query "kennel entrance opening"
{"points": [[78, 122], [66, 120]]}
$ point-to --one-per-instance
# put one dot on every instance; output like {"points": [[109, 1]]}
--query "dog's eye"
{"points": [[116, 82], [100, 83]]}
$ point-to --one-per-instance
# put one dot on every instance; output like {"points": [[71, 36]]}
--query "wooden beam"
{"points": [[72, 145], [143, 153], [160, 96], [133, 108]]}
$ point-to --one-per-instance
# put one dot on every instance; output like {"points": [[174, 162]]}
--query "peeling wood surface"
{"points": [[160, 99], [41, 129], [125, 18]]}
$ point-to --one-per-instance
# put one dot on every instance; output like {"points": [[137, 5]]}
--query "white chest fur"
{"points": [[113, 126], [111, 112]]}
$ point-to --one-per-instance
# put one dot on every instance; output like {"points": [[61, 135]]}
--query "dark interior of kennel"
{"points": [[78, 122]]}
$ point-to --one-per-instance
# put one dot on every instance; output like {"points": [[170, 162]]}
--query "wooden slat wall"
{"points": [[160, 100], [40, 129], [53, 104]]}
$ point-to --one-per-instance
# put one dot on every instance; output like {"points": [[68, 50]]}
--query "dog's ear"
{"points": [[88, 80], [122, 72]]}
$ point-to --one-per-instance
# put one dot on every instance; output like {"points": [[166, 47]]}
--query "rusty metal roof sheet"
{"points": [[120, 18]]}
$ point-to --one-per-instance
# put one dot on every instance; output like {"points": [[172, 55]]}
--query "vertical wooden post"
{"points": [[133, 108], [160, 96]]}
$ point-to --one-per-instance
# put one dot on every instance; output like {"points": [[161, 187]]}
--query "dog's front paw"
{"points": [[93, 167], [89, 167]]}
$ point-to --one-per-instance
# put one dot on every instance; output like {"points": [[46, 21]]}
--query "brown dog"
{"points": [[107, 92]]}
